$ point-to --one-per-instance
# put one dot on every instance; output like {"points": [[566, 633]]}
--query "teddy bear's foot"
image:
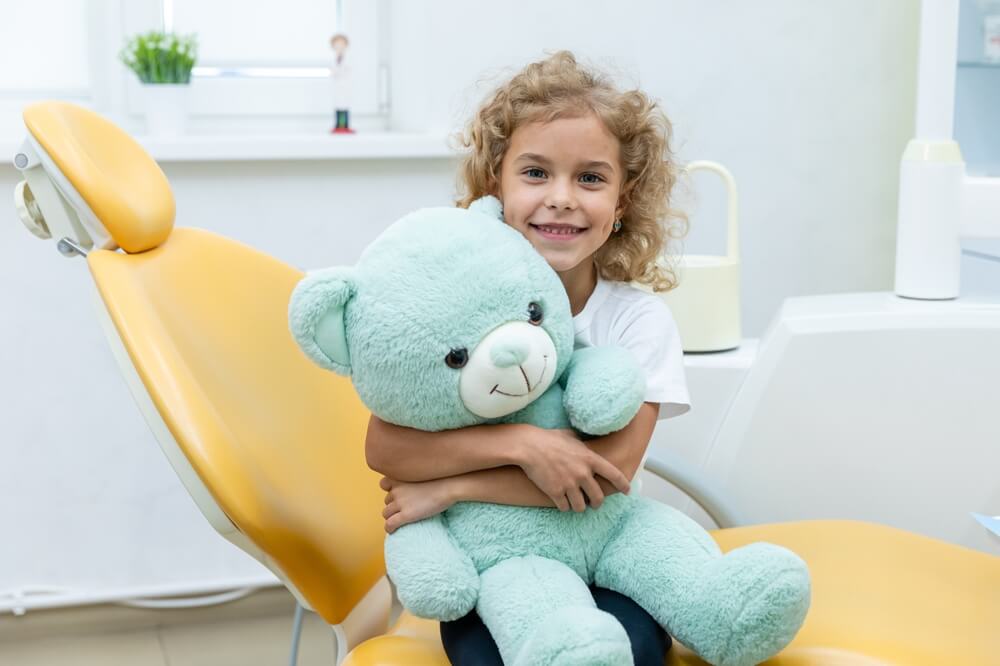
{"points": [[752, 602], [577, 635]]}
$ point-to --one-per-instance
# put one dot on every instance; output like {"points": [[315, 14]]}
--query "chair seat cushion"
{"points": [[881, 596]]}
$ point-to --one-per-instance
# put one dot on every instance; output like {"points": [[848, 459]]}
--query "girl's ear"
{"points": [[624, 198], [316, 317], [488, 205]]}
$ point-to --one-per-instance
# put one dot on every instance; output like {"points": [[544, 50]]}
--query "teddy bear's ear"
{"points": [[316, 317], [488, 205]]}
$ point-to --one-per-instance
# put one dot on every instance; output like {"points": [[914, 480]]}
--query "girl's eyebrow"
{"points": [[597, 164], [532, 157], [541, 159]]}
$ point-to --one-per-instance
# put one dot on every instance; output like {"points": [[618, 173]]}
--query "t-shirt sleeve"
{"points": [[650, 333]]}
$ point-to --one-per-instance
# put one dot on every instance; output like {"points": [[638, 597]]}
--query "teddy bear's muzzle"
{"points": [[509, 368]]}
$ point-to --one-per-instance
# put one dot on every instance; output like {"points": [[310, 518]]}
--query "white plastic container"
{"points": [[706, 303], [928, 250]]}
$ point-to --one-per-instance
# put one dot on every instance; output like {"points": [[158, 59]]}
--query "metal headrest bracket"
{"points": [[50, 207]]}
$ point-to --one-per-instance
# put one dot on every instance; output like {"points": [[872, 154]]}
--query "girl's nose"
{"points": [[560, 196]]}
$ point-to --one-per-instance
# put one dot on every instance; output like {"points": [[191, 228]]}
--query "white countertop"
{"points": [[741, 357]]}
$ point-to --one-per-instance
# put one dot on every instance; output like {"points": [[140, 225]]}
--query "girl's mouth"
{"points": [[557, 231]]}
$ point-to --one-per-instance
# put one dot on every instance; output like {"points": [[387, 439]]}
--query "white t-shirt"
{"points": [[621, 315]]}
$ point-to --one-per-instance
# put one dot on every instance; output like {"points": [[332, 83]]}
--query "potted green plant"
{"points": [[163, 62]]}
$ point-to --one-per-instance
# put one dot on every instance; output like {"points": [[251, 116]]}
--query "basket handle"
{"points": [[732, 209]]}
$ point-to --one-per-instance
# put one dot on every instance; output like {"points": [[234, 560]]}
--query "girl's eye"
{"points": [[534, 173], [535, 314], [457, 358], [591, 179]]}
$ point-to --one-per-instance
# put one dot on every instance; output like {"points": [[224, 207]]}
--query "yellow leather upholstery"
{"points": [[277, 441], [412, 641], [120, 182], [881, 597]]}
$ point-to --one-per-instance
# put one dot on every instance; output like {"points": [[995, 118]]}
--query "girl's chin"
{"points": [[561, 263]]}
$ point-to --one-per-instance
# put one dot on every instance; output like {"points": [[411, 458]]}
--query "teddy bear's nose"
{"points": [[509, 353]]}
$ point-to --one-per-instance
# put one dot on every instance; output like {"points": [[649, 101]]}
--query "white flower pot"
{"points": [[166, 106]]}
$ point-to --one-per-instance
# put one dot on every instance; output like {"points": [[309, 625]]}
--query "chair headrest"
{"points": [[123, 186]]}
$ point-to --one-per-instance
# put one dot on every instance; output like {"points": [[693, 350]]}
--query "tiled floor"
{"points": [[256, 633]]}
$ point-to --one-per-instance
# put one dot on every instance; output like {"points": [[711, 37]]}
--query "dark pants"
{"points": [[468, 642]]}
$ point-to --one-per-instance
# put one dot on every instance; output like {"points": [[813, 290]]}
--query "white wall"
{"points": [[808, 103]]}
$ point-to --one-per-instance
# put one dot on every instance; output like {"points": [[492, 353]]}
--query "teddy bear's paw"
{"points": [[436, 596], [754, 599], [577, 635]]}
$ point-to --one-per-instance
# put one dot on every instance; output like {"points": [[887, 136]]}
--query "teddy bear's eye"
{"points": [[457, 358], [535, 313]]}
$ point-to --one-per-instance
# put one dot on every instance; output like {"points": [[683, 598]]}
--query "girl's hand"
{"points": [[564, 468], [409, 502]]}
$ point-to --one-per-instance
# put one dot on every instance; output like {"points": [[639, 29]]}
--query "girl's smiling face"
{"points": [[560, 184]]}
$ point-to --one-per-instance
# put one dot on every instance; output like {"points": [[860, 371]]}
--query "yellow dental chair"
{"points": [[271, 447]]}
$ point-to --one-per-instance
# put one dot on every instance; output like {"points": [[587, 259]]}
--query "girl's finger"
{"points": [[561, 503], [388, 497], [612, 474], [595, 495], [390, 510], [385, 484], [394, 523], [576, 500]]}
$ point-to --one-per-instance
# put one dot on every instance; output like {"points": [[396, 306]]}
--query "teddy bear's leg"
{"points": [[735, 609], [434, 578], [541, 613]]}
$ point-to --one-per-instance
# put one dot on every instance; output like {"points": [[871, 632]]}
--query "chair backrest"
{"points": [[275, 443]]}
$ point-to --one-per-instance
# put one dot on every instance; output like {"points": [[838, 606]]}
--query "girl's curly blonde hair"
{"points": [[559, 87]]}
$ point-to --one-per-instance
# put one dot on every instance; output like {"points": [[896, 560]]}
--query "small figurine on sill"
{"points": [[340, 78]]}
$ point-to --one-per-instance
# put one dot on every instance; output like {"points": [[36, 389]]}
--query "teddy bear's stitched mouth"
{"points": [[545, 364]]}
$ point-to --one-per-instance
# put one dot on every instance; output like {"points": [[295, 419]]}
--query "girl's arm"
{"points": [[407, 502], [416, 455], [556, 461]]}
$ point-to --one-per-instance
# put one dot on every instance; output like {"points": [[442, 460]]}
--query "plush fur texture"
{"points": [[444, 279]]}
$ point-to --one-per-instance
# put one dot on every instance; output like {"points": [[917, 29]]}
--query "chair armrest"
{"points": [[693, 483]]}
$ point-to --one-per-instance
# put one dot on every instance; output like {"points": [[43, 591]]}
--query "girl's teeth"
{"points": [[565, 231]]}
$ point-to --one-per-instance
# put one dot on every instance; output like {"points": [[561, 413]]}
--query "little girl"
{"points": [[584, 172]]}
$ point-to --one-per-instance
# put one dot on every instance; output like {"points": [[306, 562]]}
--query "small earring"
{"points": [[617, 226]]}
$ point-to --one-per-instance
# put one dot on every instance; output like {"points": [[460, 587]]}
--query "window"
{"points": [[266, 65], [262, 67], [42, 58]]}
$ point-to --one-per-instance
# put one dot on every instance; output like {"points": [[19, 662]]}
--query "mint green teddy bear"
{"points": [[450, 319]]}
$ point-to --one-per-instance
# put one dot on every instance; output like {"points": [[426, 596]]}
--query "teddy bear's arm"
{"points": [[603, 389], [434, 578]]}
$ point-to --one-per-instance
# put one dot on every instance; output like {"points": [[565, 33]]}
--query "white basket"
{"points": [[706, 303]]}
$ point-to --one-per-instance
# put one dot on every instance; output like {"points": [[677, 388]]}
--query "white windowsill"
{"points": [[267, 147]]}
